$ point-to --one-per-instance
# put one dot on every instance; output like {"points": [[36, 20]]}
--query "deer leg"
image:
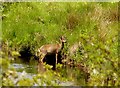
{"points": [[41, 58], [56, 58]]}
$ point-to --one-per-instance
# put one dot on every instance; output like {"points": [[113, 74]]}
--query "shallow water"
{"points": [[24, 67], [29, 70], [25, 71]]}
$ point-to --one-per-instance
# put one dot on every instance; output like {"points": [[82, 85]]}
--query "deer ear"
{"points": [[60, 37]]}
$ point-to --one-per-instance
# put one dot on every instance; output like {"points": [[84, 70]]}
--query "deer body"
{"points": [[50, 48]]}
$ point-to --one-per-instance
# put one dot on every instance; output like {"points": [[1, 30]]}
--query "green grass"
{"points": [[95, 25]]}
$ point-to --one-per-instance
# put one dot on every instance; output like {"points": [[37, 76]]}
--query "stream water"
{"points": [[29, 70]]}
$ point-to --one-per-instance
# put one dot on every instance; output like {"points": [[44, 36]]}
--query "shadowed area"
{"points": [[25, 53], [51, 59]]}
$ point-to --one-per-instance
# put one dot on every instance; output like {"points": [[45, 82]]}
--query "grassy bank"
{"points": [[95, 25]]}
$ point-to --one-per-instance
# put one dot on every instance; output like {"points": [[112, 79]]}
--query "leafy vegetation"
{"points": [[32, 24]]}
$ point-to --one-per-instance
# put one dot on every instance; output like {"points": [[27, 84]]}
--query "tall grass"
{"points": [[95, 25], [50, 20]]}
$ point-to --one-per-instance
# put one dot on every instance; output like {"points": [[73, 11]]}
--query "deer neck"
{"points": [[62, 45]]}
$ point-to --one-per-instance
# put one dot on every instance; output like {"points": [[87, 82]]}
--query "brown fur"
{"points": [[49, 49]]}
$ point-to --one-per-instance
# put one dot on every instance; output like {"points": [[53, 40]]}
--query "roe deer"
{"points": [[50, 49]]}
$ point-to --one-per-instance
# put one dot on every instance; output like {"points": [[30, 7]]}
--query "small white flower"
{"points": [[95, 71]]}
